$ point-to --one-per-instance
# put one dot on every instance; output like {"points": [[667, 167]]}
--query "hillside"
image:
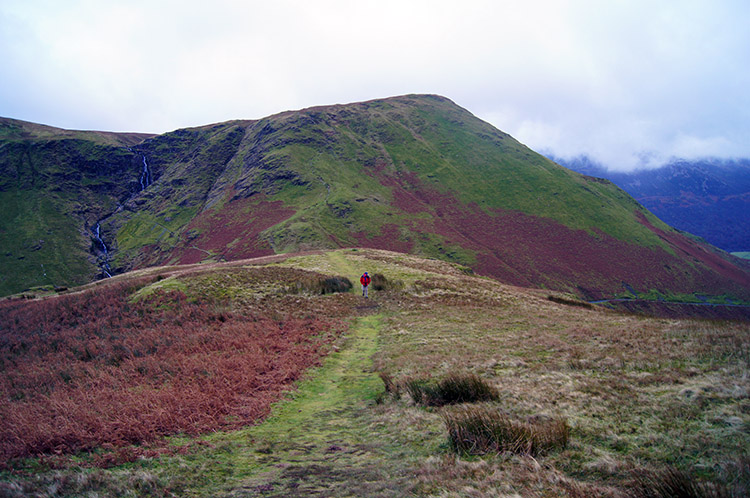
{"points": [[54, 186], [167, 382], [709, 198], [416, 174]]}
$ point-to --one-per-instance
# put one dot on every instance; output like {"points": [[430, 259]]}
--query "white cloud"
{"points": [[617, 80]]}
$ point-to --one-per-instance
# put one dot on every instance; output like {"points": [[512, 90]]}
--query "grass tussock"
{"points": [[332, 285], [453, 389], [482, 429], [321, 285], [675, 483], [381, 283], [391, 386]]}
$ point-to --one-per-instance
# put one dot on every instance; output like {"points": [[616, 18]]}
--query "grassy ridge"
{"points": [[448, 149], [13, 129]]}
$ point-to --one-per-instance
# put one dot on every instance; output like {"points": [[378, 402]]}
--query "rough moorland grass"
{"points": [[637, 393], [452, 389], [675, 483], [481, 429], [95, 483], [381, 283]]}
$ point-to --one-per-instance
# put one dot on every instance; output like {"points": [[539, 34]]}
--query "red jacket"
{"points": [[364, 280]]}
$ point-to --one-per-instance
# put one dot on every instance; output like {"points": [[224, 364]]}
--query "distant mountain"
{"points": [[708, 198], [415, 174]]}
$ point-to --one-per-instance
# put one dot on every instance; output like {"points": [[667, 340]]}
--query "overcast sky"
{"points": [[627, 82]]}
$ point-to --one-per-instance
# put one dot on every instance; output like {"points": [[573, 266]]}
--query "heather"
{"points": [[95, 368]]}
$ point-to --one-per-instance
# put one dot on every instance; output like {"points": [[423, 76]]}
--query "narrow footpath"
{"points": [[322, 441]]}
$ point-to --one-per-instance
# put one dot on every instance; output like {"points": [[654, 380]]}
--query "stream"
{"points": [[625, 300]]}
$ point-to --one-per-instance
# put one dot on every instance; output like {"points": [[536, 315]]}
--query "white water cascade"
{"points": [[145, 174], [104, 265]]}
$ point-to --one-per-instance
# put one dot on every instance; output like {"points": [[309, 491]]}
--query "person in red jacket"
{"points": [[365, 281]]}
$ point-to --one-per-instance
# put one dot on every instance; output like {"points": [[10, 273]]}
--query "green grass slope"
{"points": [[339, 158]]}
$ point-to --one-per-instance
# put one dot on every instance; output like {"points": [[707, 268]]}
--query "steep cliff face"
{"points": [[414, 174]]}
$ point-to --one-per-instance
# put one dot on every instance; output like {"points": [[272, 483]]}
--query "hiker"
{"points": [[365, 281]]}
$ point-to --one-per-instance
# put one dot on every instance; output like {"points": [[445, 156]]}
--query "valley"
{"points": [[707, 198]]}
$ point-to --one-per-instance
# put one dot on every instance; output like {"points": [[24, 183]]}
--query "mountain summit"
{"points": [[415, 174]]}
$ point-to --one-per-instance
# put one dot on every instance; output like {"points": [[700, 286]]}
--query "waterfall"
{"points": [[100, 249], [103, 247], [145, 174]]}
